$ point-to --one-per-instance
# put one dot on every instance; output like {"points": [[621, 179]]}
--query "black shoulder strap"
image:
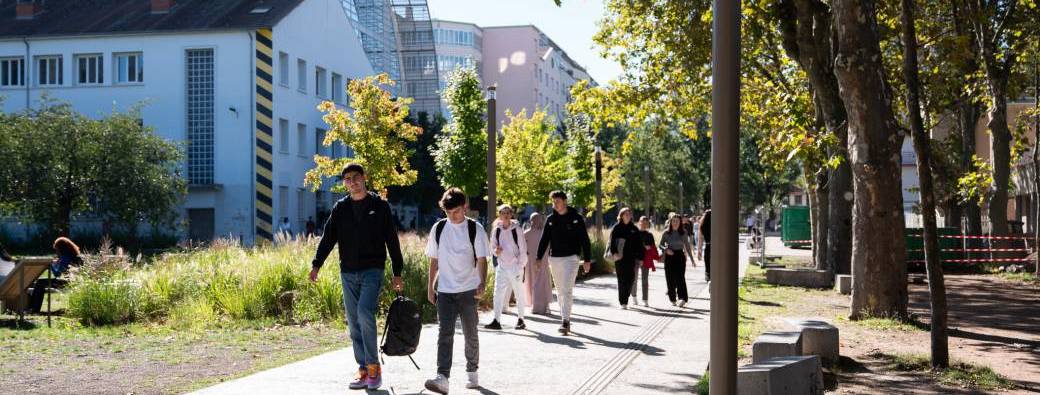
{"points": [[438, 229], [498, 232], [473, 238], [515, 238]]}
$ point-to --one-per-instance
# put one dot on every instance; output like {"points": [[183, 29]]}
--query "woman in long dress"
{"points": [[536, 277]]}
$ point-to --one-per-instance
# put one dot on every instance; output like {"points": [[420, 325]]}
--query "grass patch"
{"points": [[703, 383], [1022, 277], [960, 374], [886, 324], [758, 300]]}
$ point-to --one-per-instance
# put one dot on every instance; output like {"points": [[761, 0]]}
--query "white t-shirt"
{"points": [[457, 272], [514, 253]]}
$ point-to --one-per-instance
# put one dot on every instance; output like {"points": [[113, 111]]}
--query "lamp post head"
{"points": [[491, 92]]}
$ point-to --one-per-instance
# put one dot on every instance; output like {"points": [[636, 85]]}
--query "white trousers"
{"points": [[564, 273], [506, 283]]}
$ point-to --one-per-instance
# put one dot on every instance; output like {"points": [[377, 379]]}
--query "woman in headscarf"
{"points": [[536, 276]]}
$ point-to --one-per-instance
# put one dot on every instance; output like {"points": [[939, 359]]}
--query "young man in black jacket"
{"points": [[565, 236], [363, 226]]}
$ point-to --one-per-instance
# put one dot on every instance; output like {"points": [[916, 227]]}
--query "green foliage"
{"points": [[107, 301], [975, 185], [461, 152], [376, 130], [59, 163], [531, 161], [581, 181], [427, 188], [959, 374], [670, 158]]}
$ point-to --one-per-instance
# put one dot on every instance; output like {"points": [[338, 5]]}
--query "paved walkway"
{"points": [[659, 349]]}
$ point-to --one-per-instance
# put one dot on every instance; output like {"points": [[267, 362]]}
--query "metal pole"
{"points": [[646, 180], [725, 116], [492, 142], [599, 195], [682, 208]]}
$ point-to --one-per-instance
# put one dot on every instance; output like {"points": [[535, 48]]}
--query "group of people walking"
{"points": [[554, 246]]}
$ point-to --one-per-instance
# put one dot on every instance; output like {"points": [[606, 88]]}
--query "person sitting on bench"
{"points": [[68, 255]]}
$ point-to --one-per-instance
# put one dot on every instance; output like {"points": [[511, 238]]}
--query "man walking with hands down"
{"points": [[565, 237], [363, 226], [458, 251]]}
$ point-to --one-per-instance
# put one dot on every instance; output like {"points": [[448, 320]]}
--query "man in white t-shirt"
{"points": [[458, 251]]}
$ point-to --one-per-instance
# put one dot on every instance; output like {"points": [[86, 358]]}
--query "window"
{"points": [[301, 140], [89, 70], [337, 88], [283, 68], [283, 136], [283, 203], [301, 75], [319, 141], [130, 68], [49, 70], [199, 68], [321, 85], [12, 72]]}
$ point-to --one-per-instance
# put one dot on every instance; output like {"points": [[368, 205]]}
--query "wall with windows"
{"points": [[201, 85]]}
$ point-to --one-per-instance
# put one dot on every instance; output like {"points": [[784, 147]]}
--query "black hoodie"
{"points": [[363, 242], [566, 235]]}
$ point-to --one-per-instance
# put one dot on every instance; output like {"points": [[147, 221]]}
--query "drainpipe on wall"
{"points": [[25, 73], [252, 133]]}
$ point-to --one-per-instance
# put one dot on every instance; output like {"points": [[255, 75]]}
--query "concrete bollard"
{"points": [[776, 344], [843, 283], [819, 338], [782, 376]]}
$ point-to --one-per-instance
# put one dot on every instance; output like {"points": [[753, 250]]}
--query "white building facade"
{"points": [[239, 89]]}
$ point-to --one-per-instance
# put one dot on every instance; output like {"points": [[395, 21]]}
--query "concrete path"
{"points": [[653, 349]]}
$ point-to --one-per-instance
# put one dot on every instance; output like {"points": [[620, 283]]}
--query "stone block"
{"points": [[807, 278], [776, 344], [843, 283], [782, 376], [819, 338]]}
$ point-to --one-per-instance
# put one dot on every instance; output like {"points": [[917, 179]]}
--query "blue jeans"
{"points": [[361, 301]]}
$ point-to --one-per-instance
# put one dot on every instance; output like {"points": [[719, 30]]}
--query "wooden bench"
{"points": [[15, 280]]}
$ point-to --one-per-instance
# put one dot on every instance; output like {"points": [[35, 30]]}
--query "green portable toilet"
{"points": [[795, 229]]}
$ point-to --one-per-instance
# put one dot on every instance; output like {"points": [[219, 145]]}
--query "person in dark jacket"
{"points": [[68, 256], [631, 252], [363, 227], [704, 248], [565, 237]]}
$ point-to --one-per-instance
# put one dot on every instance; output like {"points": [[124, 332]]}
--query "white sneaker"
{"points": [[646, 303], [438, 384], [473, 382], [624, 307], [673, 303], [682, 304]]}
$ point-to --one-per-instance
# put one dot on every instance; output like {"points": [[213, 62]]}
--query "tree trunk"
{"points": [[1000, 152], [819, 211], [1036, 153], [807, 36], [878, 247], [936, 284]]}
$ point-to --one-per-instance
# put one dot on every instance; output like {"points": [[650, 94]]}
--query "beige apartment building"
{"points": [[529, 70]]}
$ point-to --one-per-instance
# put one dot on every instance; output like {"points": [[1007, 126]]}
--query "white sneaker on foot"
{"points": [[473, 382], [682, 304], [438, 384], [624, 307], [646, 303]]}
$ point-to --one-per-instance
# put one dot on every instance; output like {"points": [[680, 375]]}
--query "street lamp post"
{"points": [[682, 201], [725, 121], [599, 195], [646, 180], [492, 143]]}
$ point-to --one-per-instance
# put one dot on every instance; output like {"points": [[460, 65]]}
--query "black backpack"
{"points": [[403, 325], [472, 225]]}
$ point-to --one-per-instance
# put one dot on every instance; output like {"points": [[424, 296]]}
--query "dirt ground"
{"points": [[994, 322]]}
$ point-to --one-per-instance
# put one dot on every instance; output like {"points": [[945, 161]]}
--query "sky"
{"points": [[570, 26]]}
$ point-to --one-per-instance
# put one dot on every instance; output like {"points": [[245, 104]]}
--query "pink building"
{"points": [[529, 69]]}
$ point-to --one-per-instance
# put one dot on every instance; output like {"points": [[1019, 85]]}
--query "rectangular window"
{"points": [[199, 68], [319, 143], [89, 70], [321, 85], [283, 203], [130, 68], [301, 75], [283, 136], [12, 72], [49, 70], [283, 68], [337, 88], [301, 209], [300, 130], [301, 140]]}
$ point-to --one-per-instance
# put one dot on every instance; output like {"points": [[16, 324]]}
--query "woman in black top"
{"points": [[631, 253], [675, 247]]}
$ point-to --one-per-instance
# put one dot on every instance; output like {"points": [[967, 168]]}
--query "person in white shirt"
{"points": [[458, 251], [507, 245]]}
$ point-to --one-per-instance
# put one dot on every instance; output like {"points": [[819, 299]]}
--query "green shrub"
{"points": [[103, 301]]}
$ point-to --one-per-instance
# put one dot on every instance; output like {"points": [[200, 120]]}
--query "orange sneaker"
{"points": [[375, 376], [361, 380]]}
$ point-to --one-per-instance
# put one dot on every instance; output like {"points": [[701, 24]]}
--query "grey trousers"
{"points": [[449, 308], [642, 273]]}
